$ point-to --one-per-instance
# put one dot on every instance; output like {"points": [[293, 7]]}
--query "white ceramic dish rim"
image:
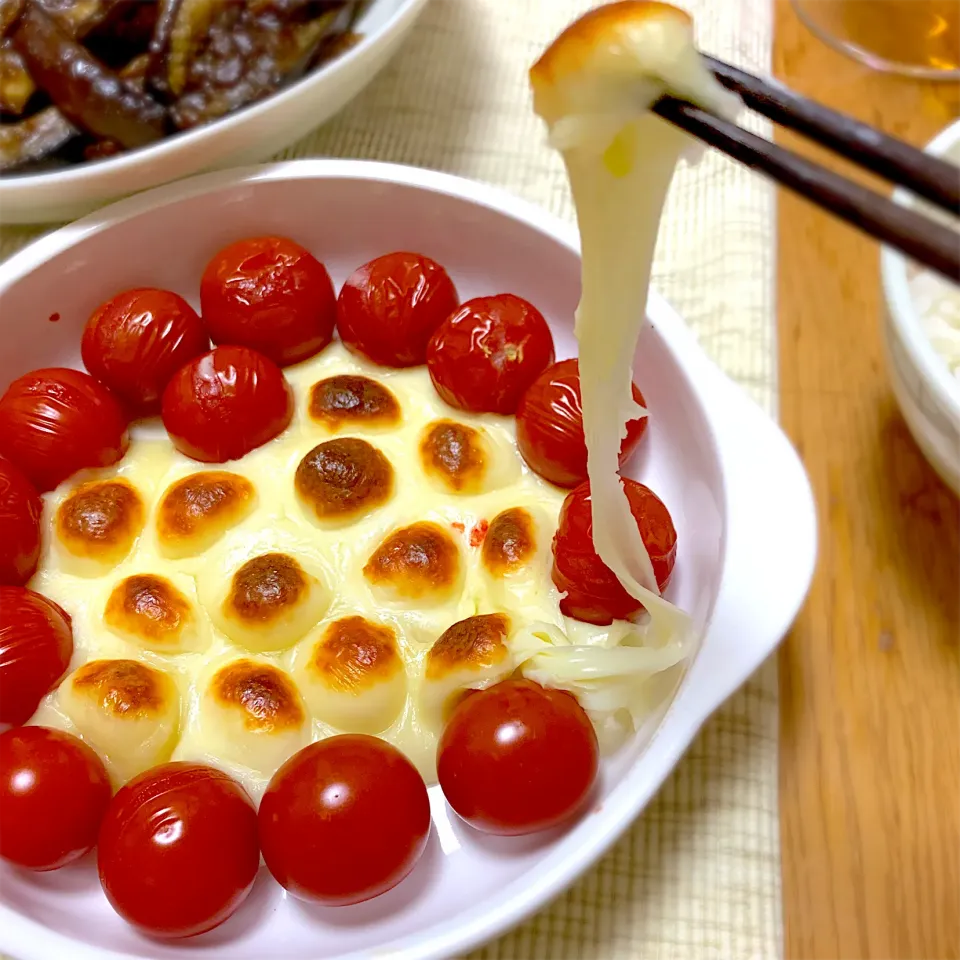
{"points": [[769, 496], [903, 311], [66, 177]]}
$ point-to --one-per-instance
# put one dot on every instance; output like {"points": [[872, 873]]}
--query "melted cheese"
{"points": [[593, 87]]}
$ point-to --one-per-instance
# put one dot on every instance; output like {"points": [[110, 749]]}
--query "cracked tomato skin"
{"points": [[178, 850], [136, 341], [269, 294], [485, 355], [226, 403], [56, 421], [344, 820], [36, 644], [517, 758], [54, 791], [20, 512], [389, 307], [593, 592], [550, 426]]}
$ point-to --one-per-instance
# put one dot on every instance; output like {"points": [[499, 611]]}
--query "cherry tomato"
{"points": [[226, 403], [344, 820], [594, 594], [517, 758], [53, 794], [550, 426], [270, 294], [178, 849], [486, 354], [55, 421], [136, 341], [36, 644], [20, 510], [389, 307]]}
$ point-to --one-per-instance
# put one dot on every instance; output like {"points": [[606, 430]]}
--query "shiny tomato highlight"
{"points": [[54, 791], [594, 594], [20, 511], [36, 644], [136, 341], [485, 355], [550, 426], [56, 421], [389, 307], [517, 758], [344, 820], [226, 403], [269, 294], [178, 849]]}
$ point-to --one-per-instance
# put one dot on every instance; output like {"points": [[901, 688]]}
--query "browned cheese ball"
{"points": [[264, 695], [348, 400], [418, 562], [354, 653], [474, 643], [100, 520], [454, 455], [150, 611], [197, 510], [341, 480], [510, 542]]}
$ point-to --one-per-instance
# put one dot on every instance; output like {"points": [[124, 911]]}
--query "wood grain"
{"points": [[870, 675]]}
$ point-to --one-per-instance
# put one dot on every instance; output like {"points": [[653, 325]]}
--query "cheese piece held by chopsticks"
{"points": [[593, 86]]}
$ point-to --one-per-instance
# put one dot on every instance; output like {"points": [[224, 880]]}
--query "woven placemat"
{"points": [[698, 876]]}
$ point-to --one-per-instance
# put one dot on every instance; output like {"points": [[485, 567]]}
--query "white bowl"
{"points": [[928, 394], [737, 492], [247, 136]]}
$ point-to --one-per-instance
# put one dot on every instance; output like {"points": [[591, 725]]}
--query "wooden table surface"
{"points": [[870, 675]]}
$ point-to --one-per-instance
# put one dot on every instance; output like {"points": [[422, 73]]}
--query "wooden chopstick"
{"points": [[929, 177], [924, 240]]}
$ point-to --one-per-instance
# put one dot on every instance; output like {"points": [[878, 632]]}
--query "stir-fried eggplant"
{"points": [[88, 78], [85, 91]]}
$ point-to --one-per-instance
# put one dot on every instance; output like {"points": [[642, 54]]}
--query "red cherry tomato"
{"points": [[344, 820], [594, 594], [550, 426], [517, 758], [55, 421], [36, 644], [226, 403], [20, 510], [389, 307], [136, 341], [486, 354], [53, 794], [178, 849], [270, 294]]}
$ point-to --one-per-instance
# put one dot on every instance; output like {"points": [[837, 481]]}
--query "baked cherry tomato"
{"points": [[226, 403], [53, 794], [550, 426], [517, 758], [136, 341], [389, 307], [20, 510], [486, 354], [36, 644], [56, 421], [178, 849], [594, 594], [344, 820], [270, 294]]}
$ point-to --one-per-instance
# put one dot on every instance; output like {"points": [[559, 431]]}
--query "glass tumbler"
{"points": [[916, 38]]}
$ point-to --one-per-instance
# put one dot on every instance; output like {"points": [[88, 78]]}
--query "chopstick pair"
{"points": [[924, 240]]}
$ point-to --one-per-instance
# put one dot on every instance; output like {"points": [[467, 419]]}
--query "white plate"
{"points": [[247, 136], [737, 492]]}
